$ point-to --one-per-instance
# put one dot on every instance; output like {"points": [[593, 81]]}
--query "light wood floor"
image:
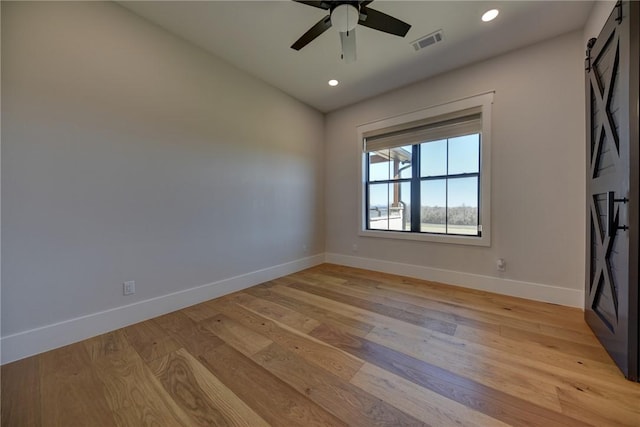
{"points": [[332, 346]]}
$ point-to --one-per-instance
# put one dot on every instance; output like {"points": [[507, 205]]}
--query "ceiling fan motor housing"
{"points": [[344, 17]]}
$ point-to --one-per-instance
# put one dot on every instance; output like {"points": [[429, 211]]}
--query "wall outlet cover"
{"points": [[129, 288]]}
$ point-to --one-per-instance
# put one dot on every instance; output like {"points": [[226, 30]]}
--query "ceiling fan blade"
{"points": [[348, 42], [365, 3], [323, 25], [383, 22], [319, 4]]}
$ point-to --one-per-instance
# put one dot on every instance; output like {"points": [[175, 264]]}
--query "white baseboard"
{"points": [[28, 343], [24, 344], [516, 288]]}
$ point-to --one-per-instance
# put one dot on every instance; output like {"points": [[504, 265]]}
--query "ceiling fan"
{"points": [[345, 15]]}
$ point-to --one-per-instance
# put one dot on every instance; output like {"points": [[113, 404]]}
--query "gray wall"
{"points": [[538, 159], [128, 154], [597, 18]]}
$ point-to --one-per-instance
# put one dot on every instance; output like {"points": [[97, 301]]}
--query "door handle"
{"points": [[611, 225]]}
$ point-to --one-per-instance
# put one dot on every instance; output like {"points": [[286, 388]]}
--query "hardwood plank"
{"points": [[271, 398], [385, 310], [412, 303], [71, 390], [332, 318], [331, 359], [195, 337], [243, 339], [486, 371], [407, 341], [346, 401], [112, 344], [527, 349], [593, 410], [346, 310], [420, 402], [199, 312], [494, 403], [284, 315], [461, 315], [518, 307], [579, 376], [332, 345], [21, 393], [582, 337], [201, 395], [513, 307], [324, 275], [135, 397], [150, 340], [597, 354]]}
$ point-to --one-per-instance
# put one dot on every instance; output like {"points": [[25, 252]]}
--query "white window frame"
{"points": [[482, 101]]}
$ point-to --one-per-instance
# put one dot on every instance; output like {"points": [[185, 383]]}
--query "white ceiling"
{"points": [[256, 36]]}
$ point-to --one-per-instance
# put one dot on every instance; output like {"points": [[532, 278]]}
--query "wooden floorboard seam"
{"points": [[332, 346]]}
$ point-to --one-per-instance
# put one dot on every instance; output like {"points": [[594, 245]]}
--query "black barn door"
{"points": [[611, 294]]}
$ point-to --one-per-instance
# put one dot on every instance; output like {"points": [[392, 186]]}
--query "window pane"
{"points": [[433, 158], [379, 165], [433, 202], [462, 214], [378, 206], [401, 165], [464, 154], [399, 206]]}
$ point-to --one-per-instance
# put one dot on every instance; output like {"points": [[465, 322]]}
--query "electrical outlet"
{"points": [[501, 264], [129, 288], [354, 248]]}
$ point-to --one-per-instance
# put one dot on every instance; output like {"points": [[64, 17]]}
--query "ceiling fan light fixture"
{"points": [[333, 82], [345, 17], [490, 15]]}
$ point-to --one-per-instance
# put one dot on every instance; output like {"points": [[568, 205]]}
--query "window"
{"points": [[426, 175]]}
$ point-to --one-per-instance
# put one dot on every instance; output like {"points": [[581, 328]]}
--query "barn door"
{"points": [[611, 294]]}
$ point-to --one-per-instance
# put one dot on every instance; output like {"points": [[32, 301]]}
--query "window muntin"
{"points": [[434, 124], [389, 191], [447, 187]]}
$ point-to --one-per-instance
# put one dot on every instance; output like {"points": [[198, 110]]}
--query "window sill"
{"points": [[456, 240]]}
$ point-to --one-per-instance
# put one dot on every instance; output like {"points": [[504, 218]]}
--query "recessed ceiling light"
{"points": [[333, 82], [490, 15]]}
